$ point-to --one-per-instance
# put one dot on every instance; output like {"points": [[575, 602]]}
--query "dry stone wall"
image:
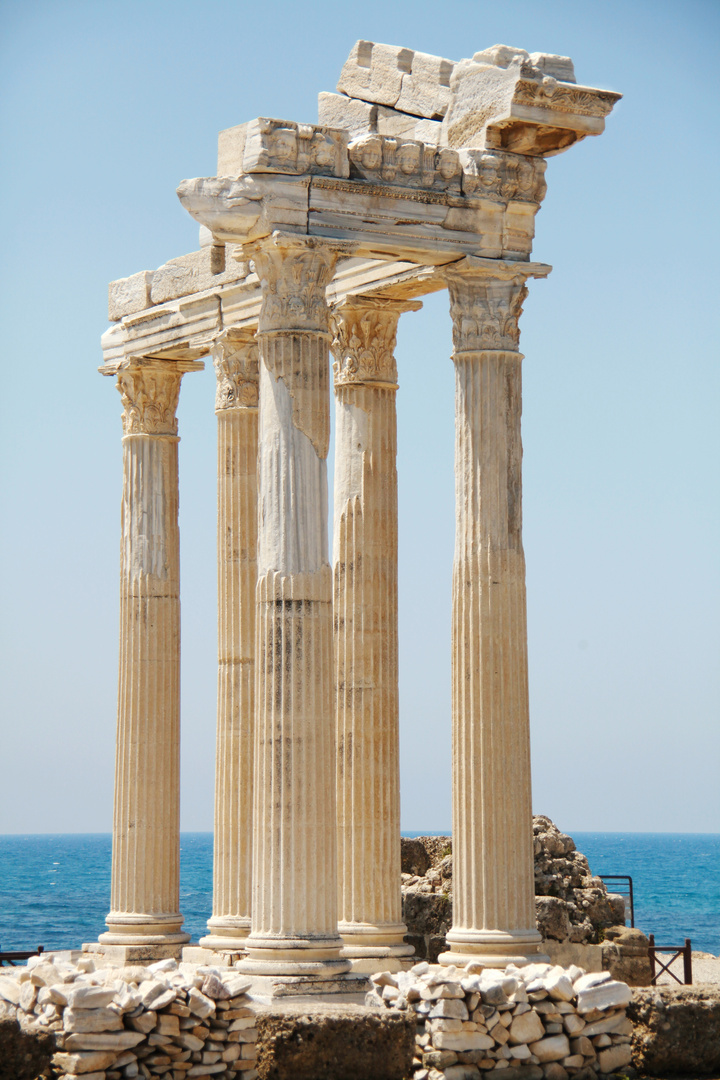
{"points": [[538, 1022], [168, 1020]]}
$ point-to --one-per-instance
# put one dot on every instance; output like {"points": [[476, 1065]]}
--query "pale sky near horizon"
{"points": [[104, 108]]}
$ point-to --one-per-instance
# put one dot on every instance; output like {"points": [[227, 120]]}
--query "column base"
{"points": [[226, 934], [122, 955], [372, 948], [317, 957], [142, 930], [493, 948]]}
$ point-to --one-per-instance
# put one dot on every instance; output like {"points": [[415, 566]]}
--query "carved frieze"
{"points": [[503, 177], [293, 277], [547, 92], [386, 160], [364, 335], [150, 390], [235, 358], [286, 147]]}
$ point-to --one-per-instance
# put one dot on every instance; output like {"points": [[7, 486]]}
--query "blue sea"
{"points": [[55, 889]]}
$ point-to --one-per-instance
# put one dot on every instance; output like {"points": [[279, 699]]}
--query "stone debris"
{"points": [[571, 904], [535, 1022], [168, 1019]]}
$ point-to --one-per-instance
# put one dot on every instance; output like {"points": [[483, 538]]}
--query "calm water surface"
{"points": [[55, 889]]}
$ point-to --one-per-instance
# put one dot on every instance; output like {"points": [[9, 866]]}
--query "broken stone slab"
{"points": [[613, 1058], [608, 995], [526, 1028], [89, 997], [462, 1041]]}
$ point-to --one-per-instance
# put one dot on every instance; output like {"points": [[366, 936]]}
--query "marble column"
{"points": [[294, 905], [146, 825], [366, 632], [235, 356], [493, 885]]}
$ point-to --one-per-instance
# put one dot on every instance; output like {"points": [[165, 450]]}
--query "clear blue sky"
{"points": [[106, 106]]}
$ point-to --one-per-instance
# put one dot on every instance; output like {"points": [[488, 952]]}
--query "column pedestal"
{"points": [[144, 921], [493, 880], [366, 634]]}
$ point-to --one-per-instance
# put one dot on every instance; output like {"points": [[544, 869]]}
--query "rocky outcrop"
{"points": [[23, 1056], [676, 1030], [571, 904], [538, 1022]]}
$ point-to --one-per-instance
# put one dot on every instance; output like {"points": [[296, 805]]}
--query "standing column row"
{"points": [[366, 632], [144, 916], [235, 357]]}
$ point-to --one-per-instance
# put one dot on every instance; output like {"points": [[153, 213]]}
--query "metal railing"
{"points": [[628, 885], [657, 967], [13, 958]]}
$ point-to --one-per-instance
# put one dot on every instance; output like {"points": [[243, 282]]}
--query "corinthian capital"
{"points": [[364, 335], [486, 301], [150, 389], [294, 274], [235, 358]]}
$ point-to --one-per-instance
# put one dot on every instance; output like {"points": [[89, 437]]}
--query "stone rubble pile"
{"points": [[539, 1022], [571, 904], [168, 1019]]}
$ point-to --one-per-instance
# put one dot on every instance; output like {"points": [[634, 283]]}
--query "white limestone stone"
{"points": [[462, 1041], [452, 1008], [425, 90], [341, 111], [84, 1020], [89, 997], [526, 1028], [189, 274], [553, 1048], [614, 1057], [593, 978], [10, 990], [558, 986], [560, 67], [82, 1062], [103, 1040], [128, 295], [374, 72], [608, 995]]}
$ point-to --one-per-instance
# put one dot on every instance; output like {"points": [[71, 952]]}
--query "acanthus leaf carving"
{"points": [[485, 312], [364, 336], [235, 358], [293, 277], [150, 390]]}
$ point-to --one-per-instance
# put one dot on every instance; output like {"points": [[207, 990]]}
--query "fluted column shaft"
{"points": [[366, 632], [235, 357], [493, 885], [146, 822], [294, 907]]}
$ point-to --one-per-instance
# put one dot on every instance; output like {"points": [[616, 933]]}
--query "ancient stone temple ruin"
{"points": [[421, 174]]}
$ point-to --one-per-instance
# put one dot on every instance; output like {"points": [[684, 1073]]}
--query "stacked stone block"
{"points": [[537, 1022], [168, 1020]]}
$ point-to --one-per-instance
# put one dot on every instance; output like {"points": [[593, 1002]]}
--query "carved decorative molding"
{"points": [[293, 277], [286, 147], [235, 358], [503, 177], [581, 100], [364, 336], [150, 390], [486, 302]]}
